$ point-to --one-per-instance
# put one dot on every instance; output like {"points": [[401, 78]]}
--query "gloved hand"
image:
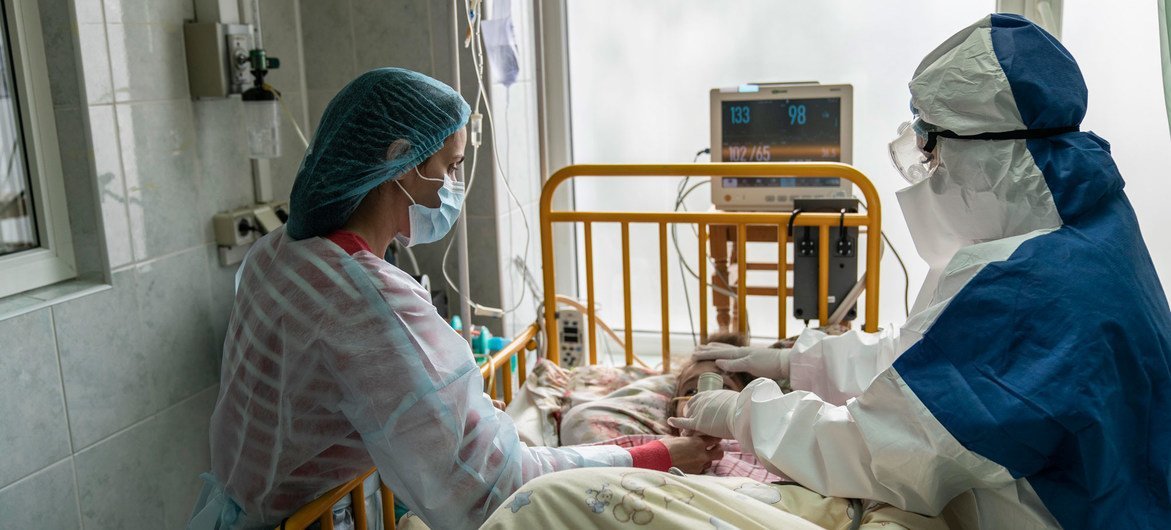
{"points": [[760, 362], [709, 413]]}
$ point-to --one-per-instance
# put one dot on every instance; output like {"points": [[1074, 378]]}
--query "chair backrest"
{"points": [[321, 509]]}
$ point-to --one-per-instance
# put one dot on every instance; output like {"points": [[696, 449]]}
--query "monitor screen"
{"points": [[781, 130]]}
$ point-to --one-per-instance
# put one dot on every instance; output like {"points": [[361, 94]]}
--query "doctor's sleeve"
{"points": [[884, 445], [838, 368]]}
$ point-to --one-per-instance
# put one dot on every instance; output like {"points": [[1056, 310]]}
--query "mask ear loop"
{"points": [[400, 186], [420, 174]]}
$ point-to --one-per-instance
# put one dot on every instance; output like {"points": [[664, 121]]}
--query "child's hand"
{"points": [[693, 454]]}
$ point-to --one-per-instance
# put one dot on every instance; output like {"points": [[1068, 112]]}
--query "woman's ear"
{"points": [[397, 148]]}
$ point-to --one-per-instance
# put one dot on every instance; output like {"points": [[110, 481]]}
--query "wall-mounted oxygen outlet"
{"points": [[217, 58]]}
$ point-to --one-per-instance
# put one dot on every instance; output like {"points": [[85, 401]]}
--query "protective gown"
{"points": [[336, 362], [1032, 378]]}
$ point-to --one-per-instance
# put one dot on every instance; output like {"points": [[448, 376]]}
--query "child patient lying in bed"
{"points": [[642, 406]]}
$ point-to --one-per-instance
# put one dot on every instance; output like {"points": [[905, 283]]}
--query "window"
{"points": [[35, 243], [639, 76]]}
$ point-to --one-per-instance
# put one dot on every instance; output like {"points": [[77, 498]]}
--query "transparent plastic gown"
{"points": [[334, 363]]}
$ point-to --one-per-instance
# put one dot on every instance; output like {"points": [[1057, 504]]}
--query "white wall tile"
{"points": [[222, 293], [148, 476], [118, 482], [328, 43], [392, 34], [45, 500], [149, 11], [89, 11], [185, 454], [107, 153], [33, 425], [108, 380], [177, 344], [318, 101], [148, 61], [278, 19], [439, 16], [284, 169], [158, 156], [95, 63], [223, 159]]}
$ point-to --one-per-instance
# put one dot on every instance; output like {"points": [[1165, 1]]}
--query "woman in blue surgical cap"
{"points": [[336, 361]]}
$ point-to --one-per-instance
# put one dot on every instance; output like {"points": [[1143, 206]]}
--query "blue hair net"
{"points": [[379, 126]]}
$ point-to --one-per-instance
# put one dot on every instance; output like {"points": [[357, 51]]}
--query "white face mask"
{"points": [[978, 191], [431, 224]]}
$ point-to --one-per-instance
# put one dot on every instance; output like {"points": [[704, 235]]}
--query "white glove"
{"points": [[761, 362], [709, 413]]}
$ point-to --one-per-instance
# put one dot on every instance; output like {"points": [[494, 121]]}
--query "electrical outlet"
{"points": [[281, 209], [235, 228]]}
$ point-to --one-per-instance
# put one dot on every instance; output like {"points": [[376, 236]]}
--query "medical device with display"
{"points": [[799, 122]]}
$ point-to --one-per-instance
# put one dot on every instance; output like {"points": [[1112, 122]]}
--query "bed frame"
{"points": [[321, 508]]}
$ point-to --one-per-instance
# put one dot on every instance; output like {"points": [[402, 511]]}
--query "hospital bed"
{"points": [[500, 365]]}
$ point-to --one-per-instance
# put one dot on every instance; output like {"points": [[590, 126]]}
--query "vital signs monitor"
{"points": [[781, 122]]}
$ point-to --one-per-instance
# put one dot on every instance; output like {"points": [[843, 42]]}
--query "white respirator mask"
{"points": [[429, 225]]}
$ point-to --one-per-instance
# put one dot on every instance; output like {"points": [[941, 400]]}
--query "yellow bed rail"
{"points": [[500, 362], [872, 220], [321, 508]]}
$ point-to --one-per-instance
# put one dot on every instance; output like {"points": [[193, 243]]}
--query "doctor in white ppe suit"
{"points": [[1034, 373]]}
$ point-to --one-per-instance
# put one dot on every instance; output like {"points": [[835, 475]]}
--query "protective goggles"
{"points": [[909, 154], [913, 149]]}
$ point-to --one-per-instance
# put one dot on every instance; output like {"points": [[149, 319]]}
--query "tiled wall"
{"points": [[108, 397]]}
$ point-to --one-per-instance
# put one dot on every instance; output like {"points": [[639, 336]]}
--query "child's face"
{"points": [[688, 380]]}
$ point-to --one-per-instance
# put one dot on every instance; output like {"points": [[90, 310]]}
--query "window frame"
{"points": [[53, 261]]}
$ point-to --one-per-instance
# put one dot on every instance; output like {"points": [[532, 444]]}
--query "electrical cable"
{"points": [[679, 254], [681, 193], [288, 114], [562, 299], [903, 265], [477, 54]]}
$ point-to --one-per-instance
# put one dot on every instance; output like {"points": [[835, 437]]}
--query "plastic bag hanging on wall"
{"points": [[500, 43]]}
